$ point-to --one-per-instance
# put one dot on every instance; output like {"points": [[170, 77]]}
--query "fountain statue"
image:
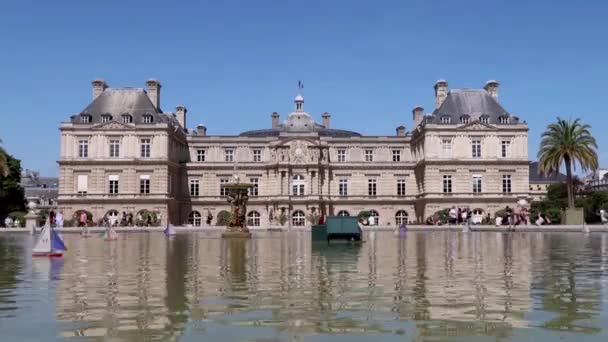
{"points": [[237, 196]]}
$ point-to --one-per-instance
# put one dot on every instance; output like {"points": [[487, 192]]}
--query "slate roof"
{"points": [[472, 102], [119, 101], [323, 132], [535, 177]]}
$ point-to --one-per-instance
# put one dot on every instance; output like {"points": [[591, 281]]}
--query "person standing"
{"points": [[59, 220], [8, 221], [603, 216], [83, 223], [453, 215]]}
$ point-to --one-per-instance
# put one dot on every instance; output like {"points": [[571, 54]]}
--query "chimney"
{"points": [[154, 92], [99, 86], [401, 131], [492, 88], [326, 116], [441, 92], [201, 130], [275, 119], [180, 113], [418, 114]]}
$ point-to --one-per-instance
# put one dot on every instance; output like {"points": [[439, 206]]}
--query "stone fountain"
{"points": [[237, 197]]}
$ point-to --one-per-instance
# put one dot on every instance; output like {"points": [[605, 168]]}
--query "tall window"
{"points": [[194, 187], [341, 156], [396, 155], [83, 184], [253, 192], [114, 148], [447, 183], [371, 187], [297, 185], [476, 148], [83, 148], [253, 219], [401, 187], [343, 187], [476, 183], [229, 155], [506, 183], [223, 190], [145, 147], [369, 155], [144, 184], [201, 155], [401, 217], [446, 148], [113, 180], [257, 155], [298, 218], [505, 149]]}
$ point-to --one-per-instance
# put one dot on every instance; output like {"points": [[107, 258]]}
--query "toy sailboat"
{"points": [[49, 244], [110, 234], [169, 230]]}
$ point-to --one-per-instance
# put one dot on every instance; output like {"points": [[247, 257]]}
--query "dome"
{"points": [[299, 122], [299, 97]]}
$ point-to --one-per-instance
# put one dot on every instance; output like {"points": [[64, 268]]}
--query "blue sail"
{"points": [[56, 242]]}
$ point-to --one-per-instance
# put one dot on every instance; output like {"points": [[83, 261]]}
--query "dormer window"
{"points": [[465, 119], [484, 119], [127, 118], [85, 118], [147, 118], [446, 120], [503, 119], [106, 118]]}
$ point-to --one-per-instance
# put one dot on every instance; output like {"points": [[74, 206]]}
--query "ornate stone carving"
{"points": [[298, 152], [112, 125]]}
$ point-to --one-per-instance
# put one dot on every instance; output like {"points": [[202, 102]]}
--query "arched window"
{"points": [[343, 213], [106, 118], [253, 219], [465, 119], [401, 217], [112, 216], [298, 218], [195, 219], [298, 185], [127, 118], [147, 118], [446, 120], [375, 215]]}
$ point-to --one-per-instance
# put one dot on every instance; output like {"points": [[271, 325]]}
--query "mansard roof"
{"points": [[322, 132], [475, 103], [536, 177], [119, 101]]}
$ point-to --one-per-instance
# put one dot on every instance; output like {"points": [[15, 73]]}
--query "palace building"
{"points": [[123, 154]]}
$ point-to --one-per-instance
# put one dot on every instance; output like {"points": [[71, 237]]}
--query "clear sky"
{"points": [[232, 63]]}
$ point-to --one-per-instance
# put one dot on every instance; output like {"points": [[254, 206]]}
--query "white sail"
{"points": [[43, 245]]}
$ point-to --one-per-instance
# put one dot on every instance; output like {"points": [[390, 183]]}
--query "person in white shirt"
{"points": [[59, 220], [453, 215], [8, 222], [603, 216], [371, 220]]}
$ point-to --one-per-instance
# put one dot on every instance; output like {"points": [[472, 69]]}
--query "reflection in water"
{"points": [[278, 286]]}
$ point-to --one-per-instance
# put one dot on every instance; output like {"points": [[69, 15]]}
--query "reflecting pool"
{"points": [[437, 286]]}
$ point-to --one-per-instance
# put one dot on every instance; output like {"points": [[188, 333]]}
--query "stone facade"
{"points": [[302, 168]]}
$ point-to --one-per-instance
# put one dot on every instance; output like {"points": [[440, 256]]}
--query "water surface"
{"points": [[439, 286]]}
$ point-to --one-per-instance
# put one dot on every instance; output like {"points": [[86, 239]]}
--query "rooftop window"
{"points": [[465, 119], [127, 118], [147, 118], [504, 120], [85, 118], [106, 118], [446, 120]]}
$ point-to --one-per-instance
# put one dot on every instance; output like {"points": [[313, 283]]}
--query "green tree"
{"points": [[569, 142], [12, 198], [4, 170]]}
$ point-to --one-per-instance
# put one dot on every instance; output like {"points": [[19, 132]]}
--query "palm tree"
{"points": [[4, 170], [569, 142]]}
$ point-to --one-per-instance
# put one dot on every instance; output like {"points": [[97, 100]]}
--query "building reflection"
{"points": [[438, 284]]}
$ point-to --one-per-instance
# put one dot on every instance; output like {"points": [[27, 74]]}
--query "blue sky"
{"points": [[232, 63]]}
